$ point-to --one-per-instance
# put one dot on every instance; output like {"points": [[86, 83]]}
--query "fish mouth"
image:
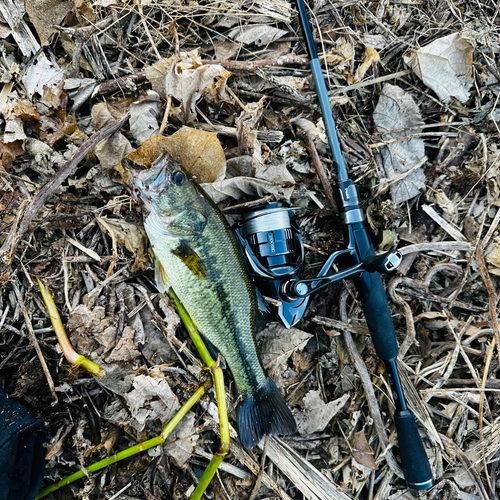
{"points": [[145, 182]]}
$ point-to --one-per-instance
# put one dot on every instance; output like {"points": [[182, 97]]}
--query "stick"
{"points": [[68, 168]]}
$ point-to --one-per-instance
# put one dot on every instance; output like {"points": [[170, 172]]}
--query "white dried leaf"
{"points": [[396, 110], [445, 66], [258, 34], [151, 398], [41, 74], [182, 442], [317, 414], [144, 115]]}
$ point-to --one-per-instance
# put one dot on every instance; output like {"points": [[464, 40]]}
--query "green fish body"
{"points": [[199, 257]]}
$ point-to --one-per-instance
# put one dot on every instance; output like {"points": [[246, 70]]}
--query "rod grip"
{"points": [[414, 461], [378, 316]]}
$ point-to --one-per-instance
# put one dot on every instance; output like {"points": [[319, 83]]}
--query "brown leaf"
{"points": [[199, 152], [125, 349], [26, 111], [114, 148], [361, 451], [371, 56], [46, 15]]}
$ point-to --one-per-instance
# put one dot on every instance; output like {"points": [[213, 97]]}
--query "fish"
{"points": [[197, 254]]}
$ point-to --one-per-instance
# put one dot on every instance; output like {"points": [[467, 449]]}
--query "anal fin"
{"points": [[214, 352]]}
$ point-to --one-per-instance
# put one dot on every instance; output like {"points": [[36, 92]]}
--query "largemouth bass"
{"points": [[197, 255]]}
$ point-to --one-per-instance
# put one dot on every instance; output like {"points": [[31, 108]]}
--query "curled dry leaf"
{"points": [[445, 66], [246, 124], [125, 349], [199, 152], [259, 35], [371, 57], [317, 414], [396, 110], [151, 398], [185, 78], [131, 236], [237, 187]]}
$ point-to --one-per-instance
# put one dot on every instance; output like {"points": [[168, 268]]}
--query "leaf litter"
{"points": [[414, 91]]}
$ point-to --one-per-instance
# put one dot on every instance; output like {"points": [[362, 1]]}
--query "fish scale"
{"points": [[197, 255]]}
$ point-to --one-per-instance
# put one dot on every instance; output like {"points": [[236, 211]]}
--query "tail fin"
{"points": [[264, 412]]}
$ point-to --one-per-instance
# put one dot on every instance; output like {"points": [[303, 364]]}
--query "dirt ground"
{"points": [[226, 89]]}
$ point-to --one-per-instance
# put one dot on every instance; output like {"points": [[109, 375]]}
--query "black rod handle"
{"points": [[414, 461]]}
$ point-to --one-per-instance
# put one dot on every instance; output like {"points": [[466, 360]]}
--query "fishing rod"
{"points": [[274, 253]]}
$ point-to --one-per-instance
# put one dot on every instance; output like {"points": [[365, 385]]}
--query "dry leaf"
{"points": [[90, 329], [185, 78], [182, 442], [151, 398], [493, 258], [371, 56], [41, 74], [445, 66], [361, 451], [317, 414], [131, 236], [46, 15], [397, 110], [115, 147], [237, 187], [199, 152], [246, 124], [125, 349], [259, 35], [144, 115], [277, 345]]}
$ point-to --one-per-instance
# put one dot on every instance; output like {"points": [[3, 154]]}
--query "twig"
{"points": [[320, 169], [34, 341], [258, 481], [437, 246], [287, 59], [68, 169]]}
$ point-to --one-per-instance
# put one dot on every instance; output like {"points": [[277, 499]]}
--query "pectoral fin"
{"points": [[161, 278], [191, 259]]}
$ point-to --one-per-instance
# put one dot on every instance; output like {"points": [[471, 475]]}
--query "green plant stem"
{"points": [[218, 378], [129, 452], [225, 443], [192, 330], [70, 354]]}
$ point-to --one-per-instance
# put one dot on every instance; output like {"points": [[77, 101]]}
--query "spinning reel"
{"points": [[274, 254]]}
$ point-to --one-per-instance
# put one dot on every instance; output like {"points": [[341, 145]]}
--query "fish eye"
{"points": [[179, 178]]}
